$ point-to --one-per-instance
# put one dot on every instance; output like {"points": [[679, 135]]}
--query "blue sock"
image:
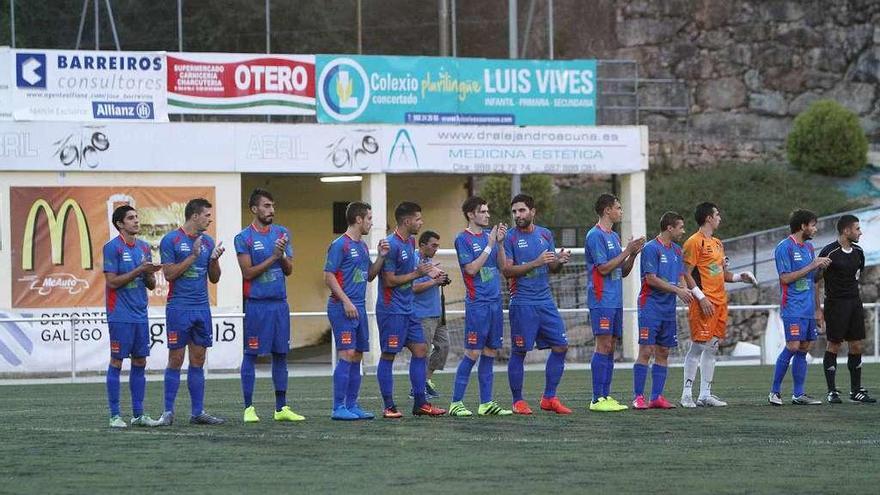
{"points": [[279, 379], [640, 375], [195, 381], [799, 372], [658, 380], [598, 368], [485, 375], [248, 378], [113, 389], [609, 373], [781, 369], [386, 381], [137, 384], [172, 382], [418, 373], [354, 384], [462, 377], [553, 373], [341, 378], [515, 372]]}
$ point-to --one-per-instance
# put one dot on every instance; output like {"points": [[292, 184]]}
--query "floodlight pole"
{"points": [[512, 42]]}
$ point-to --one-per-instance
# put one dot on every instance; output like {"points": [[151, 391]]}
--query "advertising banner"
{"points": [[88, 86], [59, 234], [322, 149], [438, 90], [231, 83], [45, 345]]}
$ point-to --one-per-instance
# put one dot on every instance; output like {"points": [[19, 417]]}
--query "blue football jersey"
{"points": [[797, 297], [485, 286], [401, 260], [126, 304], [666, 262], [603, 291], [260, 244], [190, 288], [524, 246], [349, 261]]}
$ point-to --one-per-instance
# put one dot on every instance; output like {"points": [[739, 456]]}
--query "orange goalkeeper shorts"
{"points": [[703, 327]]}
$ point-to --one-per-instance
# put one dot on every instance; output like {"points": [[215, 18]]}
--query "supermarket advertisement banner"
{"points": [[230, 83], [59, 233], [467, 91]]}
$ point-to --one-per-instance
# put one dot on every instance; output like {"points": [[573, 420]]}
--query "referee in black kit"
{"points": [[844, 315]]}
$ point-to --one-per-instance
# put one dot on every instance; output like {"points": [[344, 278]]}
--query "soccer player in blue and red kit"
{"points": [[607, 264], [129, 272], [189, 259], [662, 267], [797, 265], [534, 319], [346, 273], [484, 317], [398, 326], [265, 256]]}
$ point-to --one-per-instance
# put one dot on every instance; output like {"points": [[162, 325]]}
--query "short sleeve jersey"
{"points": [[485, 286], [426, 304], [401, 259], [665, 262], [706, 255], [127, 304], [603, 291], [349, 261], [259, 245], [190, 288], [842, 276], [521, 247], [797, 297]]}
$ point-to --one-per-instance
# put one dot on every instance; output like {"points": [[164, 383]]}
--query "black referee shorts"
{"points": [[844, 320]]}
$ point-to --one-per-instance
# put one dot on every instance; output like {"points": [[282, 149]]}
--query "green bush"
{"points": [[751, 196], [496, 191], [828, 139]]}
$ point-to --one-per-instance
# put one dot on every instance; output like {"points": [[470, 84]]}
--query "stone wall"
{"points": [[749, 66]]}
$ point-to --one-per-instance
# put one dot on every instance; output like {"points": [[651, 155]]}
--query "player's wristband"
{"points": [[487, 249], [698, 293]]}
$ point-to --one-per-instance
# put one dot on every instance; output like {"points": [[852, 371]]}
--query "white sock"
{"points": [[691, 362], [707, 370]]}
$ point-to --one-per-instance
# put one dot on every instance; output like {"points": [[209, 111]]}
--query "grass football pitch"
{"points": [[54, 439]]}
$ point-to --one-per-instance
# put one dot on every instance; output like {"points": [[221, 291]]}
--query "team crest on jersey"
{"points": [[519, 341], [115, 347], [172, 337], [794, 329], [345, 338], [253, 342], [604, 323], [472, 338]]}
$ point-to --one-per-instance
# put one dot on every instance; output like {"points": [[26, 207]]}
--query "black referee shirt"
{"points": [[842, 276]]}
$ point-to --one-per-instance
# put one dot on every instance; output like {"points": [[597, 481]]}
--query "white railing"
{"points": [[72, 321]]}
